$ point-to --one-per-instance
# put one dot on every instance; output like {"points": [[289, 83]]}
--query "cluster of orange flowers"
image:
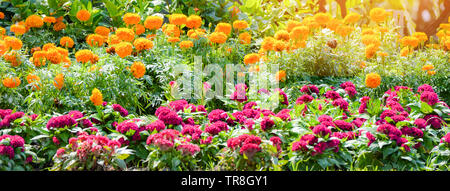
{"points": [[429, 69]]}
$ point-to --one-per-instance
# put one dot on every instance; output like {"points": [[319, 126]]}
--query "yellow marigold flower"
{"points": [[378, 15], [239, 25], [18, 29], [96, 97], [196, 33], [421, 36], [404, 52], [125, 34], [371, 49], [34, 21], [279, 45], [282, 35], [431, 72], [39, 58], [344, 30], [12, 82], [368, 31], [59, 26], [34, 81], [58, 81], [223, 27], [3, 47], [427, 67], [54, 56], [177, 19], [322, 18], [299, 33], [138, 69], [13, 42], [245, 38], [48, 46], [83, 15], [2, 31], [84, 56], [445, 26], [123, 49], [131, 18], [352, 18], [101, 30], [333, 24], [370, 39], [373, 80], [142, 44], [410, 41], [186, 44], [95, 40], [194, 21], [251, 58], [66, 42], [171, 30], [218, 37], [382, 29], [113, 39], [280, 76], [49, 20], [13, 58], [268, 43], [153, 22]]}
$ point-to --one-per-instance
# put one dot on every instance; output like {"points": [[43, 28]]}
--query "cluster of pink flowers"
{"points": [[8, 116], [310, 89], [446, 139], [15, 141], [164, 139], [85, 123], [86, 145], [61, 122], [188, 149], [349, 88], [313, 141], [247, 144], [123, 112], [240, 93], [168, 116]]}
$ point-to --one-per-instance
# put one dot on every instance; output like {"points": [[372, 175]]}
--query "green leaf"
{"points": [[123, 156], [425, 108], [121, 163]]}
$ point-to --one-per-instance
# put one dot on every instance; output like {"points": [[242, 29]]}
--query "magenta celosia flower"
{"points": [[323, 118], [123, 112], [310, 139], [61, 122], [446, 139], [192, 130], [188, 149], [351, 92], [358, 122], [250, 105], [206, 141], [262, 90], [309, 89], [321, 130], [341, 124], [249, 150], [212, 129], [370, 137], [178, 105], [332, 95], [127, 125], [304, 99], [75, 114], [428, 97], [282, 96], [341, 103], [249, 123], [60, 152], [299, 146], [425, 87], [33, 117], [5, 112], [434, 120], [239, 97], [251, 113], [267, 124], [412, 131], [6, 122], [157, 125], [420, 123], [398, 118], [217, 115], [284, 114], [387, 113]]}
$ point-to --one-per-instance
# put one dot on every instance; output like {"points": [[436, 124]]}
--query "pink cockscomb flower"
{"points": [[123, 112], [428, 97], [267, 124]]}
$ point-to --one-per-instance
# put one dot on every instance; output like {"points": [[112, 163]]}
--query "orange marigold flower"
{"points": [[18, 29], [371, 49], [218, 37], [193, 21], [125, 34], [34, 21], [254, 68], [280, 76], [131, 18], [404, 52], [410, 41], [54, 56], [299, 33], [12, 82], [139, 29], [39, 58], [2, 15], [59, 26], [95, 40], [282, 35], [84, 56], [101, 30], [64, 52], [66, 42], [382, 54], [171, 30], [373, 80], [352, 18], [2, 31], [138, 69], [421, 36], [34, 81], [239, 25], [279, 45], [378, 15], [431, 72], [195, 33], [173, 39], [113, 39], [3, 47], [49, 20], [322, 18], [370, 39], [67, 62], [94, 59], [142, 44], [58, 81], [186, 44], [123, 49], [268, 43], [13, 58], [245, 38], [177, 19], [96, 97], [251, 58], [291, 24], [48, 46], [83, 15], [153, 22], [13, 42], [223, 27], [344, 30], [427, 67]]}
